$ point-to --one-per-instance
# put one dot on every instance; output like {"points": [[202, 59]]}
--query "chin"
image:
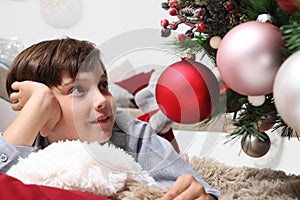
{"points": [[103, 137]]}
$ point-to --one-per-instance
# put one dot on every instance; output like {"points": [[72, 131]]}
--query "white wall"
{"points": [[100, 20], [281, 156]]}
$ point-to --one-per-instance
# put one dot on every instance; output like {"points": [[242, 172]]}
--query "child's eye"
{"points": [[103, 85], [77, 89]]}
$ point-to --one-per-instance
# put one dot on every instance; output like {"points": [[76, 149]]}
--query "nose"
{"points": [[99, 100]]}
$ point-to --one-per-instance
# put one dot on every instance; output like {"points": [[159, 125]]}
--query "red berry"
{"points": [[181, 37], [173, 25], [173, 3], [229, 5], [164, 23], [173, 11], [200, 26]]}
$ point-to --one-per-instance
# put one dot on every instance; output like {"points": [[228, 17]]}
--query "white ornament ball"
{"points": [[63, 13], [215, 41], [257, 100], [287, 91]]}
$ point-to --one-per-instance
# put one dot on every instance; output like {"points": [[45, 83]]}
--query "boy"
{"points": [[60, 88]]}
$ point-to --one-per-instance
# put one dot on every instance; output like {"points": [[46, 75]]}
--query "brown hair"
{"points": [[45, 61]]}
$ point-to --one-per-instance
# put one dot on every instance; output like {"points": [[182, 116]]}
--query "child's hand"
{"points": [[39, 112], [35, 90], [187, 187], [24, 90]]}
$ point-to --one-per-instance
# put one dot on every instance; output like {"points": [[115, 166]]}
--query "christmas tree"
{"points": [[218, 27]]}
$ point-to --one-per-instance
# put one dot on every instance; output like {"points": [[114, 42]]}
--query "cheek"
{"points": [[65, 128], [67, 115], [79, 111]]}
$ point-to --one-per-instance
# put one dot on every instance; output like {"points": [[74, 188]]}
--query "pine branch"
{"points": [[190, 46], [253, 8], [249, 117], [291, 34]]}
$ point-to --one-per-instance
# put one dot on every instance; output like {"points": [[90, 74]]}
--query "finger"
{"points": [[15, 85], [14, 97], [181, 184], [195, 191], [17, 106]]}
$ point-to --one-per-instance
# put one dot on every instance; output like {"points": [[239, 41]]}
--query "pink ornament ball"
{"points": [[249, 56], [187, 92]]}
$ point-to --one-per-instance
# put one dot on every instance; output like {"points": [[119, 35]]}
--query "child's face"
{"points": [[88, 108]]}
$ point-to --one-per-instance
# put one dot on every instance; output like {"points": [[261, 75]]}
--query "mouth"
{"points": [[101, 119]]}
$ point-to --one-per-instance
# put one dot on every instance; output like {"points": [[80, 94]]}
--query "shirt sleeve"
{"points": [[165, 165], [157, 155], [10, 154]]}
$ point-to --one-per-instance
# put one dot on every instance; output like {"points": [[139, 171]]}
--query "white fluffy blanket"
{"points": [[99, 169]]}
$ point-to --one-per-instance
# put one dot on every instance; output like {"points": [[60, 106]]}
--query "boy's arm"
{"points": [[38, 109], [157, 156], [10, 154], [187, 187], [166, 166]]}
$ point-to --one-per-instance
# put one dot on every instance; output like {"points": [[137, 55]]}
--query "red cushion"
{"points": [[12, 188], [136, 82]]}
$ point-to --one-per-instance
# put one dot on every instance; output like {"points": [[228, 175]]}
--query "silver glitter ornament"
{"points": [[254, 146]]}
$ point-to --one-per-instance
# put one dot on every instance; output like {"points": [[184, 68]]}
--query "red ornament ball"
{"points": [[187, 92], [290, 6]]}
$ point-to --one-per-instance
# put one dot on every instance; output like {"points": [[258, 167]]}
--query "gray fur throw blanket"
{"points": [[244, 183], [93, 168]]}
